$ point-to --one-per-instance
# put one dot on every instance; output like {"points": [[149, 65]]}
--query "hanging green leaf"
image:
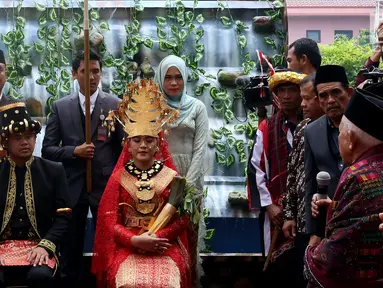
{"points": [[119, 62], [240, 26], [65, 87], [172, 43], [64, 4], [42, 20], [51, 89], [174, 29], [250, 130], [40, 7], [198, 57], [163, 46], [218, 108], [65, 33], [161, 21], [65, 22], [12, 74], [200, 49], [77, 18], [136, 24], [229, 116], [280, 34], [230, 160], [227, 103], [252, 116], [65, 75], [191, 28], [225, 131], [94, 15], [200, 18], [19, 35], [242, 157], [53, 15], [221, 147], [250, 144], [216, 134], [189, 16], [226, 21], [8, 40], [66, 45], [213, 93], [20, 21], [198, 91], [148, 43], [278, 4], [195, 3], [209, 234], [64, 60], [76, 29], [14, 94], [240, 128], [109, 61], [41, 67], [38, 47], [242, 41], [220, 159], [231, 141], [182, 35], [161, 33], [239, 146], [199, 34], [104, 25], [52, 32], [138, 5]]}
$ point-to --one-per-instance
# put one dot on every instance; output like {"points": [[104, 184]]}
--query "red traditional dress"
{"points": [[123, 213]]}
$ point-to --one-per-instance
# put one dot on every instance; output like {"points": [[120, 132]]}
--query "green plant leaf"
{"points": [[226, 21], [42, 20], [65, 33], [19, 35], [65, 87], [216, 134], [51, 89], [230, 160], [195, 3], [64, 60], [200, 18], [200, 49], [104, 26], [218, 108], [20, 21], [220, 159], [182, 35], [52, 32], [174, 29], [239, 146], [209, 234], [191, 28], [119, 62], [189, 16], [77, 18], [38, 47], [240, 26], [199, 34], [109, 61], [148, 43], [231, 141], [198, 57], [220, 146], [161, 21], [53, 15], [94, 15], [12, 75], [278, 4], [240, 128], [8, 40], [242, 41], [225, 131], [76, 29], [65, 75], [40, 7], [252, 116], [64, 4], [161, 33], [242, 157], [138, 5], [65, 22], [66, 45], [229, 116]]}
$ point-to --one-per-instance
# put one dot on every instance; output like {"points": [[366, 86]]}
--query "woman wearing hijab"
{"points": [[188, 136]]}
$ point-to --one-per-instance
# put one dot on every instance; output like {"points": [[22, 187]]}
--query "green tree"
{"points": [[349, 53]]}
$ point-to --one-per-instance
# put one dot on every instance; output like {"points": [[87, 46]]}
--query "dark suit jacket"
{"points": [[64, 132], [318, 157], [50, 192]]}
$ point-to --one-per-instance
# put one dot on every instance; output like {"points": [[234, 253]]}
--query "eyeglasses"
{"points": [[177, 78]]}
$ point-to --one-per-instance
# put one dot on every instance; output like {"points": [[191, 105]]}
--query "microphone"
{"points": [[323, 180]]}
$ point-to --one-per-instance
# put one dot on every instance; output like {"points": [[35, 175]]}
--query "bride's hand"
{"points": [[150, 243]]}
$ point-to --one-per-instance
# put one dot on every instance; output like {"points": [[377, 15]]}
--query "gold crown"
{"points": [[285, 77], [143, 110]]}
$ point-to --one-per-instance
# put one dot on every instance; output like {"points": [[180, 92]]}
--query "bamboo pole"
{"points": [[272, 247], [87, 95]]}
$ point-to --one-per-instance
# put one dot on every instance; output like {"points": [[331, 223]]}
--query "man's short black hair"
{"points": [[94, 56], [308, 47], [309, 79]]}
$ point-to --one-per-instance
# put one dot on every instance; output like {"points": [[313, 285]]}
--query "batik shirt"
{"points": [[294, 199]]}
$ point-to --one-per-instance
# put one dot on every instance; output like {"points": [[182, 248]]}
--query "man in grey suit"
{"points": [[65, 142], [321, 136]]}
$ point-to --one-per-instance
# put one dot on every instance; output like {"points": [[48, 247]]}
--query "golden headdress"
{"points": [[143, 110], [285, 77]]}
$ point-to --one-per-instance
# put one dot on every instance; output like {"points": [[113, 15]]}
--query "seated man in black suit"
{"points": [[34, 213]]}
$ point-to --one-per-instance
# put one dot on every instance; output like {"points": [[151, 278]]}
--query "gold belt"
{"points": [[142, 222]]}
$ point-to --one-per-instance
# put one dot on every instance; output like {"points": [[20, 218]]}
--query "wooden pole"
{"points": [[272, 247], [87, 95]]}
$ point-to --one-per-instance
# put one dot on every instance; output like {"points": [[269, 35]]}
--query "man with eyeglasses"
{"points": [[321, 137]]}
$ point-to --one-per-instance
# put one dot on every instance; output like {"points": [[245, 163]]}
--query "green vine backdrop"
{"points": [[180, 32]]}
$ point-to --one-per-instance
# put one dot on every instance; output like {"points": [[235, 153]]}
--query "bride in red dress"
{"points": [[126, 254]]}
